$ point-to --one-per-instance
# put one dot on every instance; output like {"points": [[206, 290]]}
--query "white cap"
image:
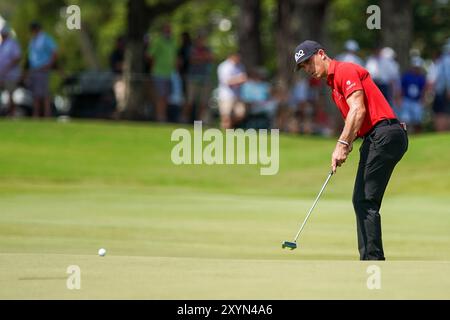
{"points": [[388, 52], [351, 45]]}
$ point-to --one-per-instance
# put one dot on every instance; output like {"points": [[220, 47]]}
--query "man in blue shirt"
{"points": [[41, 58], [413, 87]]}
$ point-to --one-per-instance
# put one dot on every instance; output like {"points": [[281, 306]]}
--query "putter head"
{"points": [[290, 245]]}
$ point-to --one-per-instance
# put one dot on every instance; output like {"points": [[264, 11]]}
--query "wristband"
{"points": [[344, 142]]}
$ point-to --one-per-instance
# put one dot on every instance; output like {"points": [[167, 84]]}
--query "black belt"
{"points": [[382, 123]]}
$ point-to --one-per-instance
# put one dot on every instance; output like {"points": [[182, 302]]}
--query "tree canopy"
{"points": [[105, 20]]}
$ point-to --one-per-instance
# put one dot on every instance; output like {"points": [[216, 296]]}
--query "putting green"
{"points": [[206, 232], [38, 276]]}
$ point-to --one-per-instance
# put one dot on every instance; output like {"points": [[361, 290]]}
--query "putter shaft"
{"points": [[312, 208]]}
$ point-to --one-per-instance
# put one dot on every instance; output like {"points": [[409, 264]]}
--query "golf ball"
{"points": [[101, 252]]}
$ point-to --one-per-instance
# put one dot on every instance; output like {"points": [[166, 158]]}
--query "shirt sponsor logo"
{"points": [[349, 85]]}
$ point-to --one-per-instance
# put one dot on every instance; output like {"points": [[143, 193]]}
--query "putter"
{"points": [[293, 245]]}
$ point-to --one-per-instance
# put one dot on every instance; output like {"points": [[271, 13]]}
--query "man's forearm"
{"points": [[355, 116], [353, 123], [238, 79]]}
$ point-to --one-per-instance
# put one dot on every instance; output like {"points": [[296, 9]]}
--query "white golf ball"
{"points": [[101, 252]]}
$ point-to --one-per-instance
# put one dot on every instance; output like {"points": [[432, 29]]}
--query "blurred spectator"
{"points": [[163, 53], [350, 54], [198, 78], [10, 55], [176, 98], [255, 90], [322, 121], [184, 53], [441, 104], [413, 88], [299, 100], [432, 74], [256, 94], [231, 75], [307, 112], [116, 62], [117, 57], [42, 56], [385, 72], [430, 93], [315, 97]]}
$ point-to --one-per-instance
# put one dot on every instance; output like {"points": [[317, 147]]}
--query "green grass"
{"points": [[67, 189]]}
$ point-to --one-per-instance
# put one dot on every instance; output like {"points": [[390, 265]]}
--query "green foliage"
{"points": [[104, 21], [431, 25], [206, 16], [348, 21]]}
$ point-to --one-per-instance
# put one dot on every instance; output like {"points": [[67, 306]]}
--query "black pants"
{"points": [[381, 150]]}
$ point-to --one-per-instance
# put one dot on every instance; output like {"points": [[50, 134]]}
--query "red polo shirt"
{"points": [[344, 78]]}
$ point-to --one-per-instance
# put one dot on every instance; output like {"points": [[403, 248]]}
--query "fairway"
{"points": [[207, 232]]}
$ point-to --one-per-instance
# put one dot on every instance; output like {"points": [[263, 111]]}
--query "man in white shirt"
{"points": [[231, 75], [441, 86], [385, 72], [10, 55]]}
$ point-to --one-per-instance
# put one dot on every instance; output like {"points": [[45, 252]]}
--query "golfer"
{"points": [[369, 116]]}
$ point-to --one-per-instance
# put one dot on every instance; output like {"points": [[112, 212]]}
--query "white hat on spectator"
{"points": [[351, 45], [388, 52]]}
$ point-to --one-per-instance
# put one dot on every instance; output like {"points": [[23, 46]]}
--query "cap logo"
{"points": [[348, 82], [299, 54]]}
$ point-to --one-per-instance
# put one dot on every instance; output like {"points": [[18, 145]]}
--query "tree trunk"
{"points": [[287, 38], [139, 18], [296, 21], [133, 64], [397, 28], [87, 48], [311, 14], [249, 33]]}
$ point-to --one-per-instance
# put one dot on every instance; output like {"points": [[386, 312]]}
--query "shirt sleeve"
{"points": [[348, 80]]}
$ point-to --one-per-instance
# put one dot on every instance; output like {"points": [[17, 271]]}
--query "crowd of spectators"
{"points": [[418, 95], [183, 77], [40, 61]]}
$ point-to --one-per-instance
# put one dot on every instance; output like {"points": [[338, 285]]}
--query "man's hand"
{"points": [[339, 155]]}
